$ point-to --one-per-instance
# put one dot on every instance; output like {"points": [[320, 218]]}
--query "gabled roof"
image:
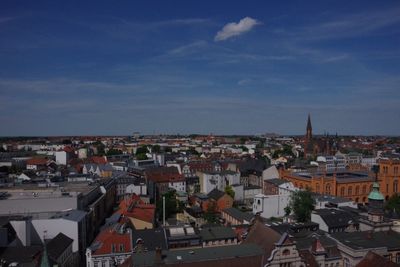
{"points": [[110, 236], [58, 245], [263, 236], [217, 233], [37, 161], [215, 194], [372, 259], [136, 208], [164, 175], [336, 218], [150, 239], [239, 215]]}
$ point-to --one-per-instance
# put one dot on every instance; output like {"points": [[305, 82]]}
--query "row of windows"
{"points": [[385, 169]]}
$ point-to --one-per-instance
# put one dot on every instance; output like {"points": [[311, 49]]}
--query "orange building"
{"points": [[389, 176], [349, 184]]}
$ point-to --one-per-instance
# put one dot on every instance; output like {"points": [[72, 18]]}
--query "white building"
{"points": [[273, 205], [210, 180], [61, 157]]}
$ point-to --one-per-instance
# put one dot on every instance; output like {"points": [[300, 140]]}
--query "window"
{"points": [[121, 247], [286, 252], [398, 257], [364, 189], [328, 189], [357, 190], [342, 191], [349, 191], [317, 187], [113, 248], [395, 186]]}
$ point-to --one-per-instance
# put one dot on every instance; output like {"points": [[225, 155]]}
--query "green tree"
{"points": [[113, 151], [141, 150], [302, 204], [141, 153], [287, 210], [156, 149], [171, 205], [141, 156], [229, 190], [393, 203], [210, 214]]}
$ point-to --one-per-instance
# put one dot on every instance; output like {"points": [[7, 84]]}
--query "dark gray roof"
{"points": [[22, 255], [215, 194], [239, 215], [58, 245], [151, 238], [336, 218], [212, 253], [198, 255], [216, 233], [367, 240]]}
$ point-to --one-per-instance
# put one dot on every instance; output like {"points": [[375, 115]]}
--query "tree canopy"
{"points": [[229, 190], [172, 205], [393, 204], [302, 204]]}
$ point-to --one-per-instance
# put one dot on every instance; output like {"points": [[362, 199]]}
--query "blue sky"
{"points": [[115, 67]]}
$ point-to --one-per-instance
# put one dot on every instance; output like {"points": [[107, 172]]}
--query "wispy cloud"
{"points": [[350, 25], [235, 29]]}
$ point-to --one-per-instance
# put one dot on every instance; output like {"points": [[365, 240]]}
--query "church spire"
{"points": [[309, 128]]}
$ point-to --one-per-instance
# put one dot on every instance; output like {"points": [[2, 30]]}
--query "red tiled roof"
{"points": [[372, 259], [136, 208], [109, 237], [68, 149], [37, 161], [98, 160], [164, 175]]}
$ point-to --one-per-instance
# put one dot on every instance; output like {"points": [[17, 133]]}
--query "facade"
{"points": [[352, 185], [219, 180], [218, 236], [111, 247]]}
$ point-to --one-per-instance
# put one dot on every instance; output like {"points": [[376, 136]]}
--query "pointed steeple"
{"points": [[309, 128], [44, 261]]}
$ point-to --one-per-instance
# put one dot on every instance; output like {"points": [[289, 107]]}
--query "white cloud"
{"points": [[234, 29]]}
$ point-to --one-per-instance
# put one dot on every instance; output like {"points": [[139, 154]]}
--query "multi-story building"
{"points": [[350, 184]]}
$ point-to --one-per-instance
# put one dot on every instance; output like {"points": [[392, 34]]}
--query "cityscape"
{"points": [[182, 133]]}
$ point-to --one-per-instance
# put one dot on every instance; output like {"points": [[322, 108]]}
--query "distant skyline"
{"points": [[167, 67]]}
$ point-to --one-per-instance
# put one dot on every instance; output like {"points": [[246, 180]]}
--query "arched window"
{"points": [[364, 189], [357, 190], [342, 191], [395, 186], [286, 252], [317, 187], [350, 191], [370, 188], [328, 189]]}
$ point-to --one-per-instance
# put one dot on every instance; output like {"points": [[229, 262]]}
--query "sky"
{"points": [[221, 67]]}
